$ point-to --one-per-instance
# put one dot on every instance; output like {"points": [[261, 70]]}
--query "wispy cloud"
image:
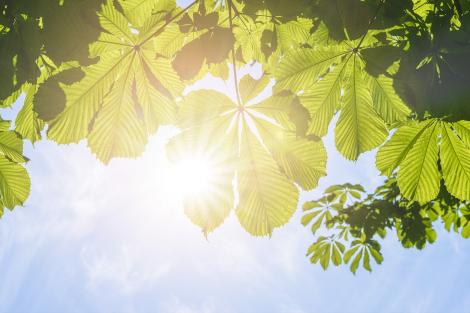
{"points": [[100, 239]]}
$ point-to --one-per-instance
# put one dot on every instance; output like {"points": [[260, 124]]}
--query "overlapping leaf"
{"points": [[207, 40], [325, 249], [417, 148], [254, 149], [319, 213], [333, 78], [211, 205], [362, 250], [127, 93], [14, 179], [262, 38], [266, 157]]}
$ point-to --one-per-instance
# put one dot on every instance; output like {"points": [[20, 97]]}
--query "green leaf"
{"points": [[125, 95], [455, 161], [5, 125], [391, 155], [250, 88], [359, 128], [463, 129], [117, 130], [466, 230], [355, 263], [202, 107], [152, 95], [318, 222], [84, 98], [14, 183], [322, 100], [416, 150], [333, 78], [313, 247], [27, 123], [307, 218], [301, 160], [431, 235], [334, 188], [355, 194], [376, 255], [340, 246], [336, 255], [305, 66], [11, 146], [366, 261], [312, 205], [9, 101], [210, 208], [140, 11], [320, 211], [248, 33], [115, 23], [350, 253], [293, 34], [267, 198], [418, 176], [386, 100], [325, 259], [269, 158], [68, 27]]}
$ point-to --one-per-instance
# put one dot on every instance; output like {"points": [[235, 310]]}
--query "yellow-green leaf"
{"points": [[117, 130], [455, 161], [267, 198], [359, 128], [396, 149], [418, 176], [14, 183]]}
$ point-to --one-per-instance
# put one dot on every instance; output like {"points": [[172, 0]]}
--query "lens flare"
{"points": [[192, 176]]}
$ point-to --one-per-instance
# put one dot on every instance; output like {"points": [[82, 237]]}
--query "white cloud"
{"points": [[175, 305], [122, 231], [124, 269]]}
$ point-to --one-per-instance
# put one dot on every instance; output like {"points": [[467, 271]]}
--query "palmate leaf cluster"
{"points": [[257, 143], [356, 222], [391, 74]]}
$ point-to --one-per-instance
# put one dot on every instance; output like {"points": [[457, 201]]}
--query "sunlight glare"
{"points": [[191, 176]]}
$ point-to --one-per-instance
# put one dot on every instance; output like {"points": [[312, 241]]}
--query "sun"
{"points": [[203, 185], [192, 176]]}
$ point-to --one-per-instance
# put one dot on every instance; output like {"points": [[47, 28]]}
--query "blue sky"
{"points": [[95, 238]]}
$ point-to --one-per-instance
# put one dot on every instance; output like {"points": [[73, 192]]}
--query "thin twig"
{"points": [[168, 22], [234, 59], [237, 14], [371, 22]]}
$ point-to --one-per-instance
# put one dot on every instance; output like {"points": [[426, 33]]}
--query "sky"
{"points": [[96, 238]]}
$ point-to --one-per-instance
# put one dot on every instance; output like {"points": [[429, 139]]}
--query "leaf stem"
{"points": [[234, 59], [238, 14], [168, 22], [371, 22], [458, 7]]}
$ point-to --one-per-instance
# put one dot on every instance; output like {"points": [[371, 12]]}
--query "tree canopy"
{"points": [[391, 74]]}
